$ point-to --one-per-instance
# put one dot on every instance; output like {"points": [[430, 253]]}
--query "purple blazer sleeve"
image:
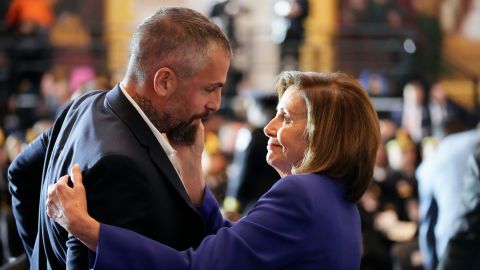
{"points": [[272, 235], [210, 212]]}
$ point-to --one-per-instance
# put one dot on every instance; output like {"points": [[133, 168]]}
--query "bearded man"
{"points": [[125, 140]]}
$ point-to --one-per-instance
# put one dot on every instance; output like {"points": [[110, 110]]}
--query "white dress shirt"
{"points": [[161, 137]]}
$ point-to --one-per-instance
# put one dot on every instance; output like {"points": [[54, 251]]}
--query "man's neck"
{"points": [[144, 103], [124, 84]]}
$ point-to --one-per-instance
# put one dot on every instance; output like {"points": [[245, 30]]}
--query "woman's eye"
{"points": [[286, 120]]}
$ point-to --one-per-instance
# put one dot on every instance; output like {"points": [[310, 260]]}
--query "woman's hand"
{"points": [[189, 160], [68, 207]]}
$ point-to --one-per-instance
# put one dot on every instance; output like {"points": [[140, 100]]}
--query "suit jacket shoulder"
{"points": [[130, 181]]}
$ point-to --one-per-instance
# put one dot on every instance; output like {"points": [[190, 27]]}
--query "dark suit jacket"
{"points": [[130, 181], [463, 250], [303, 222]]}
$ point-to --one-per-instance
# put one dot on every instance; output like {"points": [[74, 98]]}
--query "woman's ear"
{"points": [[165, 82]]}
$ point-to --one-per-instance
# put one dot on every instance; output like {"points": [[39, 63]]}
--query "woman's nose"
{"points": [[270, 129]]}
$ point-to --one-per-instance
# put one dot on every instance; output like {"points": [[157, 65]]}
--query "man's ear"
{"points": [[165, 81]]}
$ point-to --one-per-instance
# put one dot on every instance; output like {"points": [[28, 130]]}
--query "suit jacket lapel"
{"points": [[129, 115]]}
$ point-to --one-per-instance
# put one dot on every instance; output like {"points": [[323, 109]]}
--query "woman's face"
{"points": [[287, 142]]}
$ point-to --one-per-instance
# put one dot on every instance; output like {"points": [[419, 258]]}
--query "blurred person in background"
{"points": [[428, 42], [415, 115], [225, 13], [403, 157], [295, 34], [55, 93], [30, 53], [442, 110], [440, 178], [398, 220], [214, 166], [462, 251], [251, 175], [10, 243], [376, 244], [82, 80]]}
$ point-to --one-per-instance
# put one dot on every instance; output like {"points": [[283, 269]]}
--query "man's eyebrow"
{"points": [[214, 85]]}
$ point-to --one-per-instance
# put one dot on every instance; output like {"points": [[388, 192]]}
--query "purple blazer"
{"points": [[302, 222]]}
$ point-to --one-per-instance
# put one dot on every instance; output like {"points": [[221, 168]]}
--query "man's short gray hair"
{"points": [[174, 37]]}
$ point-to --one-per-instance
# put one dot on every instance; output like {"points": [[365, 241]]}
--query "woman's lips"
{"points": [[271, 145]]}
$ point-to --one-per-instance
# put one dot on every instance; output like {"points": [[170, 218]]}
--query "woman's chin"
{"points": [[279, 167], [272, 163]]}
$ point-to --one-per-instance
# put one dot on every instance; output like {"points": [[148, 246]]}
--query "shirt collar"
{"points": [[161, 137]]}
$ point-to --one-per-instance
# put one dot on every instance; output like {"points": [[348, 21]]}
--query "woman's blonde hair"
{"points": [[342, 128]]}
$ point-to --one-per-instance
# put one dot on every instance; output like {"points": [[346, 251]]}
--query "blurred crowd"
{"points": [[38, 77]]}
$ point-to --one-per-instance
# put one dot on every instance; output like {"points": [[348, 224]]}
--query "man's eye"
{"points": [[212, 89]]}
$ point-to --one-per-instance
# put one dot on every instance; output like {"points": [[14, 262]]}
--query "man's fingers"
{"points": [[76, 175], [62, 181], [51, 190], [52, 208]]}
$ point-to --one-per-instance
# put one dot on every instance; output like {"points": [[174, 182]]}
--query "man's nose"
{"points": [[214, 102]]}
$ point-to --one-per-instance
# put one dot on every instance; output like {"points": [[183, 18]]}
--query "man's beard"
{"points": [[184, 133]]}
